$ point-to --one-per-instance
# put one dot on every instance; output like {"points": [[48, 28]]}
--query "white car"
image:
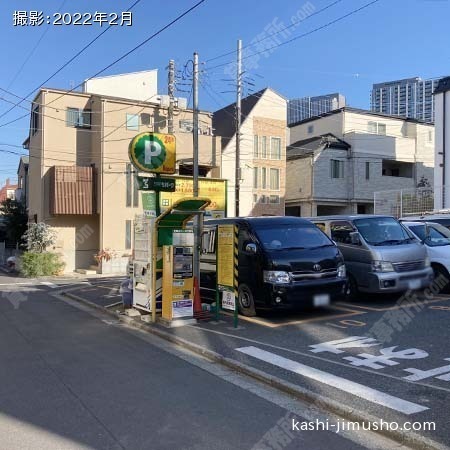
{"points": [[436, 238]]}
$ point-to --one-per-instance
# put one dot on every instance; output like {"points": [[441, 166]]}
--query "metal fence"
{"points": [[6, 252], [404, 202]]}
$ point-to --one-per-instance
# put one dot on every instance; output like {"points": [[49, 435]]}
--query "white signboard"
{"points": [[182, 308], [228, 300]]}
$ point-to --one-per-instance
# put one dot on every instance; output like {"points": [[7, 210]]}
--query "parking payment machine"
{"points": [[178, 278]]}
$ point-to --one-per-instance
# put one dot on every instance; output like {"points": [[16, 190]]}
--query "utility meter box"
{"points": [[178, 277]]}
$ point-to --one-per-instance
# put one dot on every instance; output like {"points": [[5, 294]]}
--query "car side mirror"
{"points": [[251, 248], [355, 238]]}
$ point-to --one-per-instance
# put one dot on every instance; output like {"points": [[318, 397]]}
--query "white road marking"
{"points": [[367, 393], [49, 284], [320, 358]]}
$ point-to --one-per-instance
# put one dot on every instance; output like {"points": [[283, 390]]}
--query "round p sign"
{"points": [[153, 152]]}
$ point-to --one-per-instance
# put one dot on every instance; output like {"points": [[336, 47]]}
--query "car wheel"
{"points": [[246, 303], [352, 289], [441, 271]]}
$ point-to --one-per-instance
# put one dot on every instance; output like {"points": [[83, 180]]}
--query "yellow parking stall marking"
{"points": [[271, 324], [393, 308]]}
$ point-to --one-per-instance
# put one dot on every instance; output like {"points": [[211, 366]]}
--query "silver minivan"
{"points": [[380, 255]]}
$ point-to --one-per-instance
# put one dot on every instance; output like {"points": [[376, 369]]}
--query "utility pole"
{"points": [[197, 228], [171, 91], [195, 120], [237, 175]]}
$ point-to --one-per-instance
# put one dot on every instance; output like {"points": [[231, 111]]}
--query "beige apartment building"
{"points": [[80, 179], [262, 153]]}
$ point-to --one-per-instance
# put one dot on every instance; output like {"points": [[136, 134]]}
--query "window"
{"points": [[255, 146], [367, 170], [340, 232], [264, 147], [337, 168], [376, 128], [310, 129], [34, 120], [263, 178], [274, 199], [255, 198], [275, 148], [255, 177], [275, 179], [186, 126], [78, 118], [372, 127], [263, 199], [127, 234], [133, 122], [128, 185]]}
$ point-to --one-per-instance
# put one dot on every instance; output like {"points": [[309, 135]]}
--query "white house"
{"points": [[335, 162]]}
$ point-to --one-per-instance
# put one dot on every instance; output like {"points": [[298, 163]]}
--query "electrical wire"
{"points": [[120, 58], [315, 30], [70, 60]]}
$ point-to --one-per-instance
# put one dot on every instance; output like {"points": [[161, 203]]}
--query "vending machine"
{"points": [[178, 278]]}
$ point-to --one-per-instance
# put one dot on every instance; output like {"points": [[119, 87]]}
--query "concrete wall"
{"points": [[141, 86], [323, 125]]}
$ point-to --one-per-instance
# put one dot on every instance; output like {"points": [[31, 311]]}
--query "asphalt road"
{"points": [[71, 378], [417, 329]]}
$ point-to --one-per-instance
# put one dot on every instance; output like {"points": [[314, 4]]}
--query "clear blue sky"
{"points": [[391, 39]]}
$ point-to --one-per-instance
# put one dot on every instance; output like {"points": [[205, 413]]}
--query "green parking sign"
{"points": [[153, 152]]}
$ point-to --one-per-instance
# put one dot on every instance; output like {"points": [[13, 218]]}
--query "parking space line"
{"points": [[269, 324], [392, 308], [321, 358], [359, 390], [49, 284]]}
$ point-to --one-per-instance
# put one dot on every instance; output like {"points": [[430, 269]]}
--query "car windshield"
{"points": [[432, 234], [292, 237], [382, 231]]}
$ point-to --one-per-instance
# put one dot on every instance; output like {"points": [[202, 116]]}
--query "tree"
{"points": [[15, 218], [39, 236]]}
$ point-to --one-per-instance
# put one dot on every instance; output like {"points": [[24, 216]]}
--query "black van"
{"points": [[284, 262]]}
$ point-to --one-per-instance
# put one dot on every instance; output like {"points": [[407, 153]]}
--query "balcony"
{"points": [[72, 190]]}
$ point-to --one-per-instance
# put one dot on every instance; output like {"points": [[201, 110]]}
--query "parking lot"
{"points": [[386, 356]]}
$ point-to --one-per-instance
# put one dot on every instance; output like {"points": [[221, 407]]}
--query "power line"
{"points": [[145, 41], [282, 30], [69, 61], [302, 35]]}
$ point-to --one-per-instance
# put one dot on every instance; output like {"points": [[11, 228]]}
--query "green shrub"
{"points": [[33, 264]]}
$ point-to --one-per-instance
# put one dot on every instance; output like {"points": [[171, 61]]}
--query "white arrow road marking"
{"points": [[343, 384]]}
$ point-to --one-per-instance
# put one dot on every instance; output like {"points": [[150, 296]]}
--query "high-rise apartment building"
{"points": [[304, 108], [411, 97]]}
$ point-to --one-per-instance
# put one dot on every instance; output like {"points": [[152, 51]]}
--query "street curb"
{"points": [[408, 438]]}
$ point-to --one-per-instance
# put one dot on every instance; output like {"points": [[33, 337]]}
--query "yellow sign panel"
{"points": [[225, 255], [153, 152], [215, 190]]}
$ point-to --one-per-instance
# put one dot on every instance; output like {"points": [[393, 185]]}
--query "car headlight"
{"points": [[341, 271], [427, 262], [382, 266], [276, 276]]}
